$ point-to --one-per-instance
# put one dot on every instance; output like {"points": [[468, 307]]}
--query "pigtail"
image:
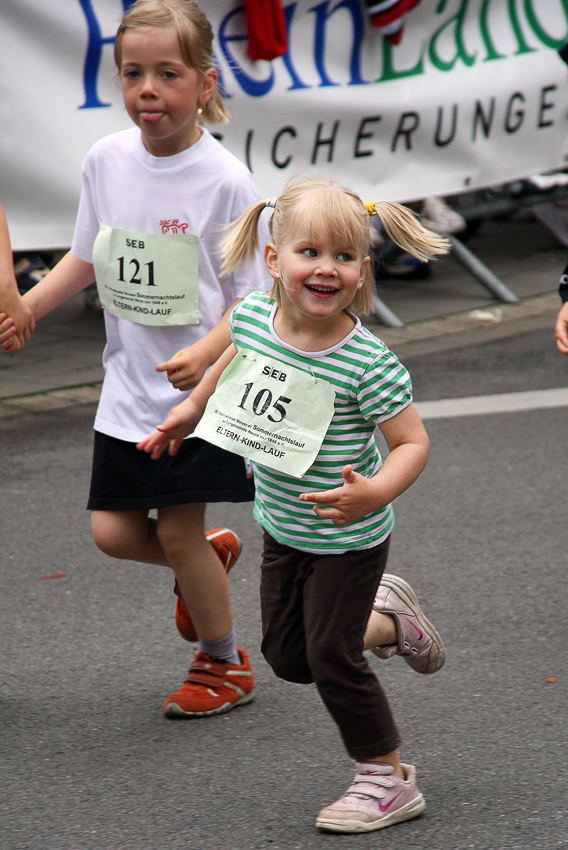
{"points": [[404, 228], [241, 241]]}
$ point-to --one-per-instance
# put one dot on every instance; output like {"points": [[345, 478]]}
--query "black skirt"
{"points": [[125, 479]]}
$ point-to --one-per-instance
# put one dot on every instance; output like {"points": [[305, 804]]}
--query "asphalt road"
{"points": [[88, 762]]}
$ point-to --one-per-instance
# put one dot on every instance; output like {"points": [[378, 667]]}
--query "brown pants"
{"points": [[315, 610]]}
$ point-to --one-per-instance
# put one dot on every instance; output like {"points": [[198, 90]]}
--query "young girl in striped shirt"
{"points": [[324, 595]]}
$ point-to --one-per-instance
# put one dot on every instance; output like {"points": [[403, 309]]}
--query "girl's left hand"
{"points": [[355, 499], [180, 421]]}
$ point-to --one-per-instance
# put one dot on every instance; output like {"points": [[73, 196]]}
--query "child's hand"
{"points": [[561, 330], [180, 421], [355, 499], [8, 339], [17, 326], [186, 368]]}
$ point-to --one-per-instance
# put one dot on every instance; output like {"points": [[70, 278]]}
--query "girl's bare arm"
{"points": [[66, 279]]}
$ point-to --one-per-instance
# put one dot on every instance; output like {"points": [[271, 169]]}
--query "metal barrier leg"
{"points": [[481, 272], [384, 314]]}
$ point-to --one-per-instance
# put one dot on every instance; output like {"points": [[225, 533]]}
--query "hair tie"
{"points": [[271, 202], [371, 208]]}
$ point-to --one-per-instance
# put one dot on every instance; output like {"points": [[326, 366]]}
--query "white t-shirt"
{"points": [[125, 187]]}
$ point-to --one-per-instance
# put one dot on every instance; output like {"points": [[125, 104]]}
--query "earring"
{"points": [[360, 284], [200, 110]]}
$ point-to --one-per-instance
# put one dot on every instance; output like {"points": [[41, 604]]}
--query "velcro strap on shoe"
{"points": [[373, 786], [208, 673], [367, 790], [209, 680]]}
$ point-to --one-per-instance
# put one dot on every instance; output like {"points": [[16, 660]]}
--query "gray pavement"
{"points": [[87, 760]]}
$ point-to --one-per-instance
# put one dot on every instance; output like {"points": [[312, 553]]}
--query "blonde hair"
{"points": [[194, 34], [322, 205]]}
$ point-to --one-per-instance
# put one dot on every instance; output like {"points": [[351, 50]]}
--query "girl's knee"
{"points": [[110, 536], [326, 662], [107, 543]]}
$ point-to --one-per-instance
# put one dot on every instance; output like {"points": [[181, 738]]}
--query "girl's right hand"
{"points": [[180, 421], [186, 368]]}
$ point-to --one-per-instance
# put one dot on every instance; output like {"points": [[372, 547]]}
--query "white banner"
{"points": [[475, 94]]}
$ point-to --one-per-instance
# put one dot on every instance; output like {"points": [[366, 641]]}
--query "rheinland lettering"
{"points": [[451, 30], [524, 26]]}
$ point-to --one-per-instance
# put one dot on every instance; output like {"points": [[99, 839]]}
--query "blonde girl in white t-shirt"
{"points": [[165, 187]]}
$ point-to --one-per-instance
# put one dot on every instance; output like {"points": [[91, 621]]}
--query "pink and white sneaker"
{"points": [[418, 641], [376, 799]]}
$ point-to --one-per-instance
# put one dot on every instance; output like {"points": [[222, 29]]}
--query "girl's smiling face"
{"points": [[320, 276], [161, 93]]}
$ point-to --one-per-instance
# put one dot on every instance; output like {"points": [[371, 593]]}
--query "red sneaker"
{"points": [[212, 688], [228, 548]]}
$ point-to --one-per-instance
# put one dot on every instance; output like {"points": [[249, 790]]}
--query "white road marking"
{"points": [[482, 405]]}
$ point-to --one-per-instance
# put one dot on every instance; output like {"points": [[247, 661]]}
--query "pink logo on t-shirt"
{"points": [[173, 226]]}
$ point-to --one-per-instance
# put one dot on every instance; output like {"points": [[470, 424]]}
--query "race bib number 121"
{"points": [[150, 279]]}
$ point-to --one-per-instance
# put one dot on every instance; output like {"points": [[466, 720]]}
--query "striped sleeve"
{"points": [[384, 386]]}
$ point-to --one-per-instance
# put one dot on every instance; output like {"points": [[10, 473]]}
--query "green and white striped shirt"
{"points": [[370, 387]]}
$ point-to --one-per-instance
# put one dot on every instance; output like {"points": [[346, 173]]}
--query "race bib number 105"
{"points": [[264, 410]]}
